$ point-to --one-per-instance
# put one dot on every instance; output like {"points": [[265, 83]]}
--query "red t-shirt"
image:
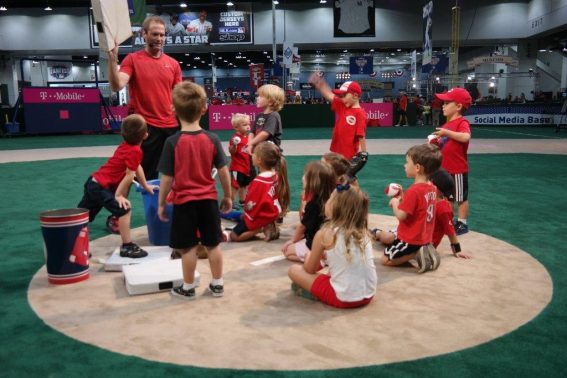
{"points": [[262, 205], [240, 159], [418, 203], [455, 153], [443, 221], [350, 125], [403, 102], [436, 104], [150, 86], [126, 156], [189, 156]]}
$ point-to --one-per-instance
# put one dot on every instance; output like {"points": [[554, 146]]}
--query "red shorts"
{"points": [[322, 290]]}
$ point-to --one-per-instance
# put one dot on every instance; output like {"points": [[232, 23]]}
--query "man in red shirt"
{"points": [[402, 109], [350, 119], [150, 75]]}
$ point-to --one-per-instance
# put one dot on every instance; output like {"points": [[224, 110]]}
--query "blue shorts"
{"points": [[96, 197]]}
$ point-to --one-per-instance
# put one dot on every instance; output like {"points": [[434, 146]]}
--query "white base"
{"points": [[115, 263], [154, 276]]}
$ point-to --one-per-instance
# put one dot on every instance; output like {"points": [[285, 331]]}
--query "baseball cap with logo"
{"points": [[349, 87], [444, 182], [458, 95]]}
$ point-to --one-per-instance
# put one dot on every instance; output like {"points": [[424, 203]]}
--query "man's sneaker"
{"points": [[175, 254], [271, 232], [132, 251], [112, 224], [182, 293], [216, 290], [423, 260], [374, 232], [433, 256], [461, 228]]}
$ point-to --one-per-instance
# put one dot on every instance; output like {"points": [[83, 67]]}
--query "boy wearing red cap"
{"points": [[350, 119], [453, 138]]}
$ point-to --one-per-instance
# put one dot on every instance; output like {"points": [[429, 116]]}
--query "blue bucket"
{"points": [[158, 231]]}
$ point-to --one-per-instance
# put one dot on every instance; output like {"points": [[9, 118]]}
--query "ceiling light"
{"points": [[276, 2], [182, 5], [323, 1], [229, 4], [3, 9], [48, 8]]}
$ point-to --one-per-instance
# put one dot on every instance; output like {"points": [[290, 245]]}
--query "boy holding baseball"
{"points": [[240, 167]]}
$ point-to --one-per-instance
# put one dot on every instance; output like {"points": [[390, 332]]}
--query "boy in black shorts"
{"points": [[185, 164]]}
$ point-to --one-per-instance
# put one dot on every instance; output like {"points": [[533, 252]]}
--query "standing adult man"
{"points": [[200, 25], [402, 109], [151, 76]]}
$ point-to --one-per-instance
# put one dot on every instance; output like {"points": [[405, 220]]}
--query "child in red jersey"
{"points": [[454, 137], [240, 167], [319, 181], [262, 206], [350, 119], [444, 213], [108, 187], [416, 212]]}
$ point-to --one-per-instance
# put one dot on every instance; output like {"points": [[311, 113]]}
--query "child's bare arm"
{"points": [[164, 188], [312, 262], [224, 177], [394, 204], [459, 137], [142, 180], [362, 141], [253, 142], [321, 85], [121, 193], [456, 248]]}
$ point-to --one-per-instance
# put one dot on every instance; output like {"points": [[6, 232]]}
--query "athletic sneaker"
{"points": [[461, 228], [216, 290], [182, 293], [299, 291], [112, 224], [175, 254], [423, 260], [132, 251], [226, 236], [374, 232], [433, 256]]}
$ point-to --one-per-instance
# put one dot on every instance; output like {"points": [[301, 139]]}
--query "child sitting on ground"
{"points": [[240, 166], [415, 212], [108, 187], [261, 206], [319, 181], [343, 244], [444, 213]]}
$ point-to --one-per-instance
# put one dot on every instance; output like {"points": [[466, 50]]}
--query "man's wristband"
{"points": [[456, 248]]}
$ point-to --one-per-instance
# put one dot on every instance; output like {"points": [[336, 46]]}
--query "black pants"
{"points": [[152, 148]]}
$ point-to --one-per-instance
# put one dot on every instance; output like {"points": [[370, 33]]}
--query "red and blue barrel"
{"points": [[66, 244]]}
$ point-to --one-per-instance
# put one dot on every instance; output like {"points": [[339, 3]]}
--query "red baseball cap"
{"points": [[458, 95], [349, 87]]}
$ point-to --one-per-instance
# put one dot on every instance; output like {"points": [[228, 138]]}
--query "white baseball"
{"points": [[432, 138], [236, 140], [393, 190]]}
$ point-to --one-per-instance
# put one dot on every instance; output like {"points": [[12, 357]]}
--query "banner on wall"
{"points": [[438, 64], [427, 33], [362, 65], [256, 74], [199, 25], [295, 62], [354, 18], [414, 65], [502, 59]]}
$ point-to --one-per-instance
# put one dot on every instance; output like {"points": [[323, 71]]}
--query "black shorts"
{"points": [[193, 216], [240, 227], [402, 112], [461, 187], [95, 197], [399, 249], [239, 179]]}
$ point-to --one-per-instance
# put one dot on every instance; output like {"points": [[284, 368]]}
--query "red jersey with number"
{"points": [[443, 221], [454, 153], [262, 205], [350, 126], [150, 86], [418, 203], [240, 159], [126, 156]]}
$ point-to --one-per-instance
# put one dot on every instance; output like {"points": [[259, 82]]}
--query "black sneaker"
{"points": [[374, 232], [216, 290], [461, 228], [132, 251], [423, 260], [182, 293], [433, 256]]}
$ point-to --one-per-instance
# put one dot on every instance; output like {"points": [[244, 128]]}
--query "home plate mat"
{"points": [[264, 326]]}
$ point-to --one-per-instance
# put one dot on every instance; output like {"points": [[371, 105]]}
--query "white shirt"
{"points": [[198, 27]]}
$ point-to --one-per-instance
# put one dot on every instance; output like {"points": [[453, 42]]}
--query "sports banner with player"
{"points": [[427, 33], [201, 25], [354, 18], [361, 65], [256, 74]]}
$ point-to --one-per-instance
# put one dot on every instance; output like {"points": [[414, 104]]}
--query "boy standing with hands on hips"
{"points": [[350, 120], [453, 138], [186, 164]]}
